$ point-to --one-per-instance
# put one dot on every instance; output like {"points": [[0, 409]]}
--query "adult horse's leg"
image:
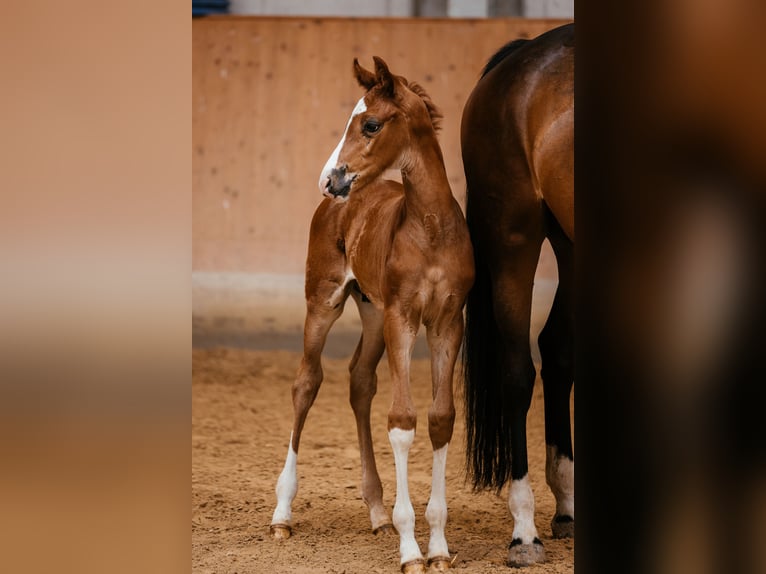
{"points": [[444, 342], [512, 280], [399, 333], [364, 385], [505, 217], [557, 353], [324, 306]]}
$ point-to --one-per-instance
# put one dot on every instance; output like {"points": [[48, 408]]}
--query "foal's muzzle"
{"points": [[338, 182]]}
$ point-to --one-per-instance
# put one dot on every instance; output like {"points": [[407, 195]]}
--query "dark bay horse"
{"points": [[403, 253], [517, 138]]}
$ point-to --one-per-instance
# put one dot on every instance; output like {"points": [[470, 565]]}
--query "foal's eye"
{"points": [[371, 126]]}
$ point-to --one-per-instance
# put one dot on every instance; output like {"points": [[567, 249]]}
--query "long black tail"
{"points": [[487, 401], [487, 397]]}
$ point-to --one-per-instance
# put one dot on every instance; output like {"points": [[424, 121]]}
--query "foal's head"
{"points": [[389, 116]]}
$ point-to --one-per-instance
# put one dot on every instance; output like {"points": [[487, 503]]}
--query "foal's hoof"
{"points": [[521, 555], [384, 530], [417, 566], [562, 526], [280, 531], [439, 564]]}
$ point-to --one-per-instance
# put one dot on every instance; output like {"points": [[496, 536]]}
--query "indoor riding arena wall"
{"points": [[270, 99]]}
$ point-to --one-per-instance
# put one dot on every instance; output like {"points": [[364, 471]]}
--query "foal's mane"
{"points": [[433, 111]]}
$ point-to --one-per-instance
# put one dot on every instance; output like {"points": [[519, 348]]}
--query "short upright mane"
{"points": [[433, 111]]}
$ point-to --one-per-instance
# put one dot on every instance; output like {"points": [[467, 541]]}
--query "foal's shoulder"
{"points": [[327, 216]]}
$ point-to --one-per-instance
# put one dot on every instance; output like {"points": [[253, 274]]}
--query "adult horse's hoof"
{"points": [[521, 555], [417, 566], [384, 530], [562, 526], [280, 531], [439, 564]]}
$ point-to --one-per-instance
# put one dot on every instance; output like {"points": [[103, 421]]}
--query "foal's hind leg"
{"points": [[364, 385], [324, 306], [557, 353]]}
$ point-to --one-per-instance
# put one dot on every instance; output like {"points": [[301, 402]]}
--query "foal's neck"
{"points": [[426, 187]]}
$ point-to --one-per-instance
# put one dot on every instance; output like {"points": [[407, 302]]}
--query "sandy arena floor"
{"points": [[241, 420]]}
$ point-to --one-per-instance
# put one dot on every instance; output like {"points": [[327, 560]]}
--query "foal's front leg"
{"points": [[400, 334]]}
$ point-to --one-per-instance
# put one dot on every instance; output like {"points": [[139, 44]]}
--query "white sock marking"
{"points": [[436, 511], [332, 162], [404, 514], [521, 502], [287, 487], [559, 474]]}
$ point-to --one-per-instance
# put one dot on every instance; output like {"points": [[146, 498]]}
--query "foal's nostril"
{"points": [[338, 172], [339, 182]]}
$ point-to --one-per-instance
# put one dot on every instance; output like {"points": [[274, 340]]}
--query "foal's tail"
{"points": [[487, 404]]}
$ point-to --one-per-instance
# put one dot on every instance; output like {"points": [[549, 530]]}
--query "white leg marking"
{"points": [[559, 474], [521, 502], [404, 514], [436, 511], [287, 487], [333, 160]]}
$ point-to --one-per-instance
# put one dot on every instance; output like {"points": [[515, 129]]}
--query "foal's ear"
{"points": [[365, 78], [384, 77]]}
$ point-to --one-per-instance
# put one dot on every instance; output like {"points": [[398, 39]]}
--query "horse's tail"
{"points": [[487, 401]]}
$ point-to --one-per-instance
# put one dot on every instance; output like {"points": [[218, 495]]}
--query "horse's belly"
{"points": [[367, 282]]}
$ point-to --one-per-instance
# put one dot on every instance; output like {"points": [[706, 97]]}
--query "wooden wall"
{"points": [[271, 97]]}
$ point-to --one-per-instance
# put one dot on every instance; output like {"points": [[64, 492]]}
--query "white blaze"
{"points": [[333, 160]]}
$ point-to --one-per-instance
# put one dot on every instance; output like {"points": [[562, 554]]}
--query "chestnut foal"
{"points": [[404, 255]]}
